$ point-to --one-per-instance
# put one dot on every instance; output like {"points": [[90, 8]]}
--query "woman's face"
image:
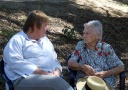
{"points": [[41, 31], [89, 35]]}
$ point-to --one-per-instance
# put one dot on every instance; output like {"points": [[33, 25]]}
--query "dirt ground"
{"points": [[73, 13]]}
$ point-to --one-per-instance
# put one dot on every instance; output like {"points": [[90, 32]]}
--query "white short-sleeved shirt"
{"points": [[22, 56]]}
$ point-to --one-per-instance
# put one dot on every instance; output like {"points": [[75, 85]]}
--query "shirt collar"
{"points": [[98, 45], [33, 40], [25, 35]]}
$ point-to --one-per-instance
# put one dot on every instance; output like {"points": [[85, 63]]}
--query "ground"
{"points": [[72, 13]]}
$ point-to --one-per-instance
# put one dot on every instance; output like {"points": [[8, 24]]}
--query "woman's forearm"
{"points": [[74, 65], [39, 71], [115, 71]]}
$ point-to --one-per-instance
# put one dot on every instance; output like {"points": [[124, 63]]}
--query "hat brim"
{"points": [[80, 85]]}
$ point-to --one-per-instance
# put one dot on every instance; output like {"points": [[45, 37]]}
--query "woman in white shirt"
{"points": [[30, 60]]}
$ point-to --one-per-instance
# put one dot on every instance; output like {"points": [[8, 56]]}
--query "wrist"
{"points": [[112, 72], [109, 72], [58, 70], [82, 67], [40, 71]]}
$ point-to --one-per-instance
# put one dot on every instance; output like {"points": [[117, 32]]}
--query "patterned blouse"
{"points": [[102, 58]]}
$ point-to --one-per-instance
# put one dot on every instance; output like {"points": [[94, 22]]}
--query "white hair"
{"points": [[97, 27]]}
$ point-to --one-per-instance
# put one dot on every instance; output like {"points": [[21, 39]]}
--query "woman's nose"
{"points": [[84, 35]]}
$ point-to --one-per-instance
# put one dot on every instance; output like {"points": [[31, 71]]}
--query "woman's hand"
{"points": [[50, 73], [113, 71], [57, 72], [101, 74], [88, 70], [40, 71]]}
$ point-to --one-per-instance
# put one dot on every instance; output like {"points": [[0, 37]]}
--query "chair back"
{"points": [[122, 81], [4, 76]]}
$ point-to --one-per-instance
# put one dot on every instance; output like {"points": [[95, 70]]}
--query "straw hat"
{"points": [[92, 82]]}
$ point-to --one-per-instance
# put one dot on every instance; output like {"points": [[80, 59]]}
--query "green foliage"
{"points": [[70, 32], [6, 35]]}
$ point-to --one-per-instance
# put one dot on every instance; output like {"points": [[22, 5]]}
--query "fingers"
{"points": [[100, 74], [89, 70], [56, 73]]}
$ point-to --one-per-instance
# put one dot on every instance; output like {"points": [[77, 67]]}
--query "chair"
{"points": [[9, 84], [4, 76], [72, 75]]}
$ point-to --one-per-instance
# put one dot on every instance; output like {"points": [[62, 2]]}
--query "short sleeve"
{"points": [[112, 58], [76, 54]]}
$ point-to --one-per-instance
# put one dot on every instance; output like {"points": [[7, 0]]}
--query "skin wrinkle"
{"points": [[92, 36]]}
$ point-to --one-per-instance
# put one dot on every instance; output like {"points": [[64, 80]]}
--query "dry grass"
{"points": [[73, 13]]}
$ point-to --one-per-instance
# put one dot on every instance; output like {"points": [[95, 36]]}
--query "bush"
{"points": [[6, 35], [70, 32]]}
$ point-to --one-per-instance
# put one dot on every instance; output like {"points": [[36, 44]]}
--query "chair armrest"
{"points": [[122, 81], [71, 73], [71, 77], [4, 76]]}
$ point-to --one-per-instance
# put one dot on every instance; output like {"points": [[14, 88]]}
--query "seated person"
{"points": [[30, 60], [96, 58]]}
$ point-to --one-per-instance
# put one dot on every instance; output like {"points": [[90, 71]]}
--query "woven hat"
{"points": [[92, 83]]}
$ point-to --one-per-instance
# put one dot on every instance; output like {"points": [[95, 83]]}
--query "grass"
{"points": [[69, 14]]}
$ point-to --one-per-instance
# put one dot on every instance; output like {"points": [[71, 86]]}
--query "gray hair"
{"points": [[97, 27]]}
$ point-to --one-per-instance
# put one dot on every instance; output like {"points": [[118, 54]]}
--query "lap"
{"points": [[80, 84], [41, 82]]}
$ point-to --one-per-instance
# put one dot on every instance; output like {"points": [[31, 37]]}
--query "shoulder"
{"points": [[17, 38], [80, 44], [103, 45], [107, 48], [15, 43], [106, 45]]}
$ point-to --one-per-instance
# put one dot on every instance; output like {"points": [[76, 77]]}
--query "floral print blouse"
{"points": [[102, 58]]}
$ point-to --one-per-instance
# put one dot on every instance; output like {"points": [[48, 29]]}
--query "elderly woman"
{"points": [[92, 57]]}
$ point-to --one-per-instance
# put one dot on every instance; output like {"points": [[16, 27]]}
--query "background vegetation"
{"points": [[67, 19]]}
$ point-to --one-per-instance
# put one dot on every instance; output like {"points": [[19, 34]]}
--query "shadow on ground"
{"points": [[115, 28]]}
